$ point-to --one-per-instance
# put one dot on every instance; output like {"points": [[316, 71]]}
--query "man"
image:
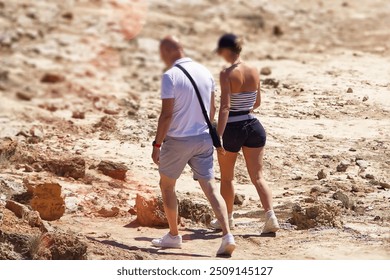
{"points": [[183, 136]]}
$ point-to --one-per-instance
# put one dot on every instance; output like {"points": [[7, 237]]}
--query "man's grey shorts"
{"points": [[197, 151]]}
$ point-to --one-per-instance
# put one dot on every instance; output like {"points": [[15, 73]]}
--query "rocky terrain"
{"points": [[79, 102]]}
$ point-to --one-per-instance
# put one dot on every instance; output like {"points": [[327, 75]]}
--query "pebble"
{"points": [[318, 136], [28, 168], [346, 201], [370, 176], [277, 31], [365, 98], [52, 78], [296, 177], [343, 166], [321, 174], [265, 71], [362, 164], [349, 90], [26, 96], [239, 199]]}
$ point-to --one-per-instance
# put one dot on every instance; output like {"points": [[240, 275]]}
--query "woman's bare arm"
{"points": [[213, 109], [258, 98]]}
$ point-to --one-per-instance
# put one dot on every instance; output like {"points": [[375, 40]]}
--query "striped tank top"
{"points": [[240, 106], [243, 101]]}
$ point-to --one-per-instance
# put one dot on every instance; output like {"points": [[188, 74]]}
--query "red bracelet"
{"points": [[156, 145]]}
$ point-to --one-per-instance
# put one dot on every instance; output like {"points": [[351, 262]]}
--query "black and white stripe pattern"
{"points": [[243, 101]]}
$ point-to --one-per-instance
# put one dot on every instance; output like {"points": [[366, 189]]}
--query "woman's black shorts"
{"points": [[248, 133]]}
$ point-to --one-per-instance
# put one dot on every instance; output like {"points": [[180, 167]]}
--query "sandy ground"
{"points": [[313, 120]]}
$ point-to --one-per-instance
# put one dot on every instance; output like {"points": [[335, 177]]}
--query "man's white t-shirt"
{"points": [[187, 119]]}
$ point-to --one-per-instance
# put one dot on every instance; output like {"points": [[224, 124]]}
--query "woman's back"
{"points": [[243, 78]]}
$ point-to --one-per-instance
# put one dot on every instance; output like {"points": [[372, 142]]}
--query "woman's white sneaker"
{"points": [[168, 241], [271, 225], [228, 245], [216, 225]]}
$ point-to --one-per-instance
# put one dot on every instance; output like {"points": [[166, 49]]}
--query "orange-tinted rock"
{"points": [[108, 213], [47, 200], [150, 211], [113, 169], [52, 78]]}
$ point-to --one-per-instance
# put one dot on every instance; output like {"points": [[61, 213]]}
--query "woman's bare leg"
{"points": [[254, 164], [226, 163]]}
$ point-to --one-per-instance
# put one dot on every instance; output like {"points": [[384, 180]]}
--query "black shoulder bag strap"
{"points": [[212, 130]]}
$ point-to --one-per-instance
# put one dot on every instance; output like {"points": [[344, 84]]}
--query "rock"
{"points": [[59, 246], [52, 78], [47, 200], [114, 211], [195, 211], [271, 82], [319, 189], [352, 149], [277, 31], [23, 95], [365, 98], [152, 116], [296, 177], [321, 174], [28, 168], [349, 90], [111, 111], [370, 176], [265, 71], [314, 215], [345, 200], [377, 218], [309, 200], [343, 166], [318, 136], [7, 251], [362, 164], [7, 148], [67, 15], [113, 169], [239, 199], [357, 189], [150, 211], [132, 210], [78, 115], [70, 167], [18, 209], [384, 185], [37, 167], [106, 123]]}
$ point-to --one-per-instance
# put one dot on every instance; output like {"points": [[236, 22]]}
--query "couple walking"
{"points": [[183, 135]]}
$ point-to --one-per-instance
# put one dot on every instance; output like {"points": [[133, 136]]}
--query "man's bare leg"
{"points": [[167, 186]]}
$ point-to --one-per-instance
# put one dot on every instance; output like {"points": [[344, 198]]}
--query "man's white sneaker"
{"points": [[216, 225], [228, 245], [168, 241], [271, 225]]}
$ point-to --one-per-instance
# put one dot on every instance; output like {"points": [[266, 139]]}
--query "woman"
{"points": [[240, 95]]}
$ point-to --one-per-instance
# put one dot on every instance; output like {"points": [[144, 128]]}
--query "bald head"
{"points": [[171, 50]]}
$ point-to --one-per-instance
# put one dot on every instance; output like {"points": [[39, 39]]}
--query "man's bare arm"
{"points": [[165, 119]]}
